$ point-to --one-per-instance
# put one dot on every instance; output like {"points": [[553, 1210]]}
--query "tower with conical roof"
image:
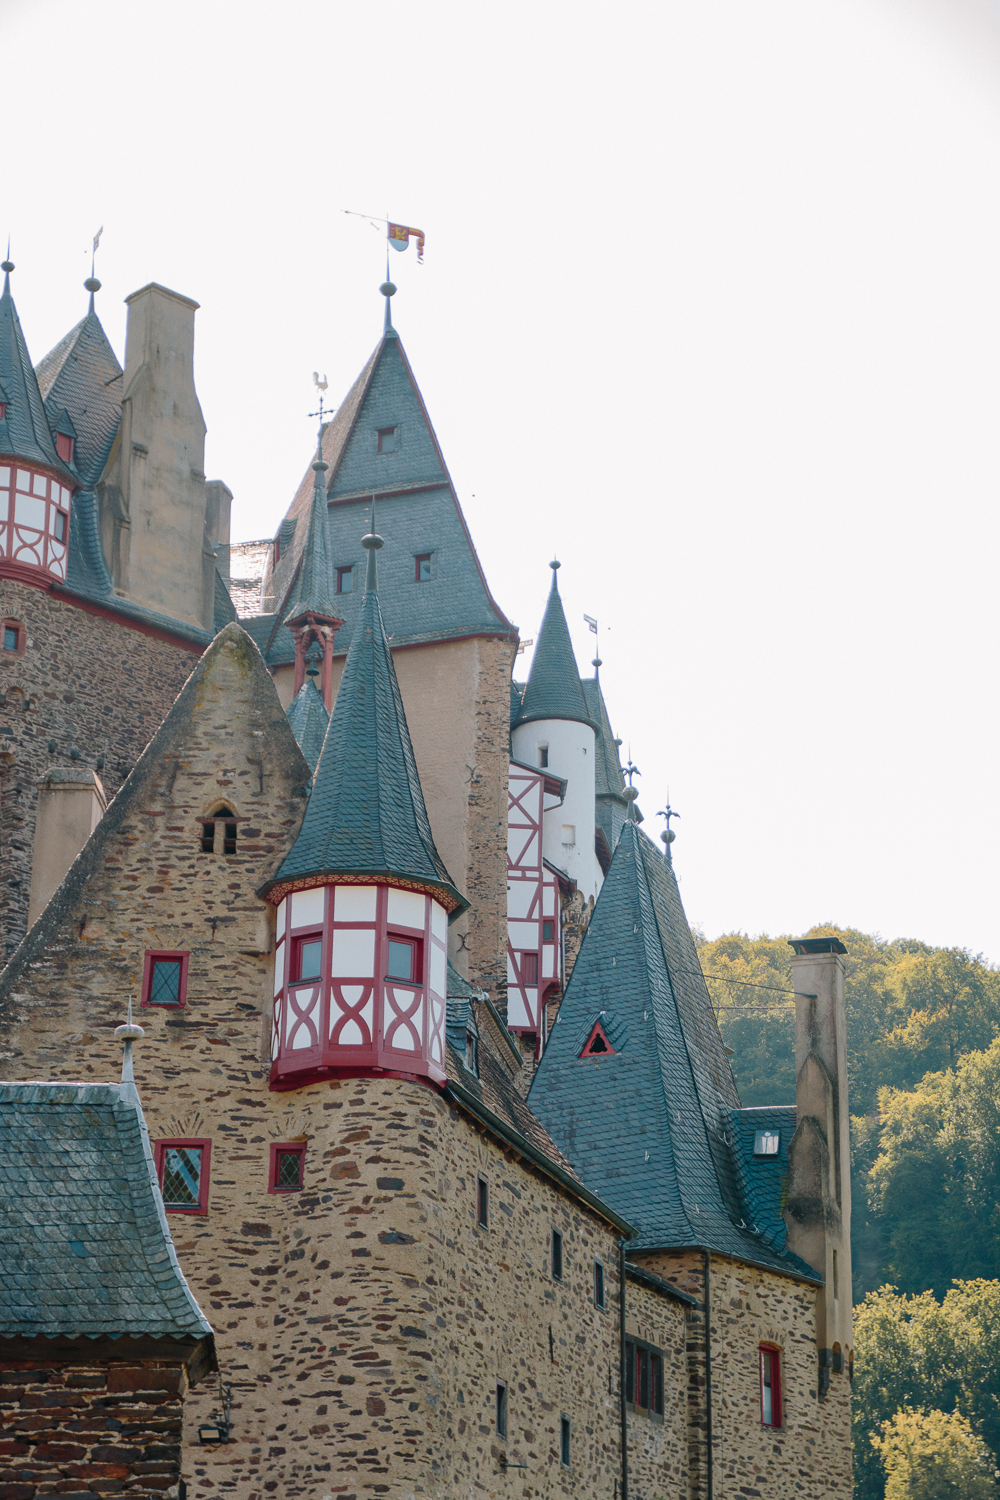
{"points": [[310, 608], [363, 898], [555, 729]]}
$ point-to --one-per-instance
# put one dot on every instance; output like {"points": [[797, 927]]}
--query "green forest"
{"points": [[923, 1038]]}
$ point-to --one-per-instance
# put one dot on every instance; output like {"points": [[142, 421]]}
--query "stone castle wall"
{"points": [[658, 1446], [83, 682]]}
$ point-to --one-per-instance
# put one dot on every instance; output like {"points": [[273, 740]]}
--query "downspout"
{"points": [[708, 1366], [623, 1364]]}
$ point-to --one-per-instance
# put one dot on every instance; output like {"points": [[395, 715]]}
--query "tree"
{"points": [[933, 1454]]}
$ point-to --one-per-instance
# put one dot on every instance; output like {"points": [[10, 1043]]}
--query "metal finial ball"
{"points": [[319, 466], [7, 265], [668, 835], [388, 289], [597, 662], [372, 542], [92, 284], [631, 793], [130, 1033], [555, 565]]}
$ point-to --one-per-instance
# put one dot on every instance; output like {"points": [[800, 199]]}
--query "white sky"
{"points": [[711, 307]]}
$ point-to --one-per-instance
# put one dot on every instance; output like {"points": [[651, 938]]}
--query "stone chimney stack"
{"points": [[154, 502], [818, 1206]]}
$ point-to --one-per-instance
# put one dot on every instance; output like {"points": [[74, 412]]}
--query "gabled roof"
{"points": [[82, 376], [366, 811], [84, 1242], [314, 586], [649, 1128], [553, 689], [24, 431], [418, 513], [309, 720]]}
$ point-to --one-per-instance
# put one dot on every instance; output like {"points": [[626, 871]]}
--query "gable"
{"points": [[391, 401]]}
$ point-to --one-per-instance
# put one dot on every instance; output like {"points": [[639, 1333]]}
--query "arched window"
{"points": [[218, 832]]}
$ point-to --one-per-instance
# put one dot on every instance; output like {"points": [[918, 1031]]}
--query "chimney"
{"points": [[70, 805], [818, 1206], [218, 505], [154, 500]]}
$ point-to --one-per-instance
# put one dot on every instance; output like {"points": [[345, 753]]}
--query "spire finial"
{"points": [[631, 792], [128, 1034], [319, 465], [371, 543], [6, 267], [92, 284], [388, 289], [668, 835]]}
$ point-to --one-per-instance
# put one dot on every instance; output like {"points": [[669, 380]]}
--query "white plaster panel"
{"points": [[4, 476], [351, 1034], [522, 845], [39, 484], [406, 908], [307, 908], [511, 976], [437, 970], [30, 512], [571, 756], [279, 967], [523, 935], [279, 918], [516, 1013], [548, 961], [520, 894], [439, 922], [353, 953], [23, 479], [354, 903]]}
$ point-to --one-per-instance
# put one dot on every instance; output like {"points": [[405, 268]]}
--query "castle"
{"points": [[446, 1134]]}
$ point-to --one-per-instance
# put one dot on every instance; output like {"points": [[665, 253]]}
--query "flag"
{"points": [[399, 238], [97, 238], [591, 623]]}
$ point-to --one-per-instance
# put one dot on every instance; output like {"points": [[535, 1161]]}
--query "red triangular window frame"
{"points": [[605, 1051]]}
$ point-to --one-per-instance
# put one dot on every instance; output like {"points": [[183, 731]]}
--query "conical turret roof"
{"points": [[24, 430], [309, 720], [312, 590], [554, 690], [366, 814], [648, 1123], [81, 376]]}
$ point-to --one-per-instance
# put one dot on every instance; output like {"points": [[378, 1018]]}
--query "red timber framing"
{"points": [[341, 1004], [534, 935]]}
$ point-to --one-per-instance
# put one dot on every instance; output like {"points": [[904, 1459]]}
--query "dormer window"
{"points": [[766, 1142], [423, 562], [345, 580], [388, 438], [3, 411], [64, 447]]}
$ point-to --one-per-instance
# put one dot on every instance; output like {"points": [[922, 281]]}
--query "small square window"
{"points": [[164, 979], [557, 1255], [345, 580], [501, 1409], [598, 1285], [564, 1441], [423, 563], [548, 932], [182, 1170], [307, 955], [59, 524], [483, 1203], [11, 638], [404, 960], [387, 439], [287, 1163], [529, 968], [766, 1142]]}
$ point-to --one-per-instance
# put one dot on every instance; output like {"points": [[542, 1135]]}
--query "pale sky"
{"points": [[710, 308]]}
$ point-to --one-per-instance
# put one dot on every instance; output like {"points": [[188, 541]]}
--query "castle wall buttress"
{"points": [[82, 681]]}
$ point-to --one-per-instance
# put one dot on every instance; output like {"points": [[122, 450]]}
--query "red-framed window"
{"points": [[307, 956], [548, 930], [182, 1168], [529, 968], [64, 448], [288, 1161], [423, 566], [387, 439], [404, 959], [345, 580], [12, 636], [644, 1377], [597, 1043], [164, 979], [770, 1386], [3, 410]]}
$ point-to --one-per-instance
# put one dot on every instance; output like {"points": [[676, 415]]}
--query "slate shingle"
{"points": [[309, 720], [553, 689], [24, 430]]}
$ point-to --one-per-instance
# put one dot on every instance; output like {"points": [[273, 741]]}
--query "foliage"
{"points": [[916, 1354], [928, 1455]]}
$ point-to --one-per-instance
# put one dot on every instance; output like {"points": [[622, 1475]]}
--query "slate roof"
{"points": [[553, 689], [763, 1179], [314, 586], [418, 512], [366, 812], [84, 1242], [609, 783], [649, 1127], [309, 720], [24, 430], [223, 607], [82, 376]]}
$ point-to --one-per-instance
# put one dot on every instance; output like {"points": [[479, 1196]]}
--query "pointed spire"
{"points": [[128, 1034], [554, 690], [26, 433], [91, 285], [309, 720], [366, 814], [312, 590], [388, 289]]}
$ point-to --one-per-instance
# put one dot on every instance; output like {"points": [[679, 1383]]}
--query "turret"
{"points": [[555, 730], [363, 899], [818, 1203], [37, 473], [310, 613]]}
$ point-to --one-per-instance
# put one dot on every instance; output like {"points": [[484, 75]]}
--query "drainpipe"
{"points": [[623, 1363], [708, 1365]]}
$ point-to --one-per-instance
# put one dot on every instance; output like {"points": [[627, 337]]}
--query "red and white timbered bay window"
{"points": [[34, 520], [359, 983]]}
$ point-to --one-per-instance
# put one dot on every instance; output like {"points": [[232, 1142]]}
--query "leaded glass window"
{"points": [[182, 1176], [165, 982], [289, 1171]]}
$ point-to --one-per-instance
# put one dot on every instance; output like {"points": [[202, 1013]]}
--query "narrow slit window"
{"points": [[218, 833], [548, 932], [11, 637], [543, 756], [472, 1054], [501, 1409], [529, 968], [564, 1441], [483, 1203], [599, 1284], [557, 1255], [770, 1387], [182, 1169], [59, 525]]}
